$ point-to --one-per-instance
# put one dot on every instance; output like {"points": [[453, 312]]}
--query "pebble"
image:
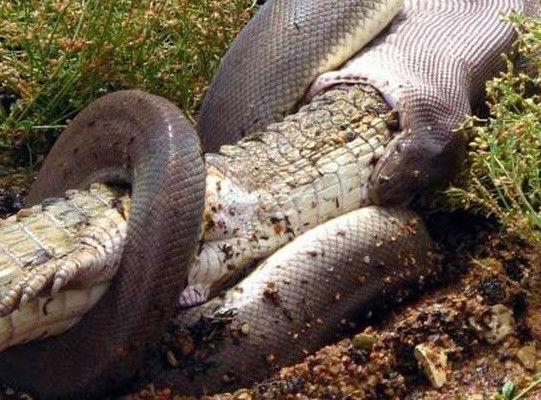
{"points": [[245, 329], [172, 359], [526, 356], [242, 394], [500, 324], [24, 213], [364, 341], [433, 362]]}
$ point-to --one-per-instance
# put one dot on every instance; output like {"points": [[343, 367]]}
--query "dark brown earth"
{"points": [[489, 275], [13, 190]]}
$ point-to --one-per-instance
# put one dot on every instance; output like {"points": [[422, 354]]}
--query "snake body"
{"points": [[262, 78], [277, 55], [288, 184], [260, 194], [130, 137]]}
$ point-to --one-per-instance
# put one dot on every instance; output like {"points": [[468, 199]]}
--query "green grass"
{"points": [[56, 56], [503, 177]]}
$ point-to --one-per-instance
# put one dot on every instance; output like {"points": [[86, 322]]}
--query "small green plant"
{"points": [[508, 389], [510, 392], [504, 173]]}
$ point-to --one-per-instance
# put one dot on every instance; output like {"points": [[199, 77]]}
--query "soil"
{"points": [[11, 200], [483, 317], [486, 271]]}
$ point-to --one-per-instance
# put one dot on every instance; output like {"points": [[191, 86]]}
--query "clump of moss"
{"points": [[57, 56], [503, 177]]}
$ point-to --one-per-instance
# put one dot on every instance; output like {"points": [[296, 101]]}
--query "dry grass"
{"points": [[56, 56]]}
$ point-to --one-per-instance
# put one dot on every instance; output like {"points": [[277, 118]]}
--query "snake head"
{"points": [[414, 162]]}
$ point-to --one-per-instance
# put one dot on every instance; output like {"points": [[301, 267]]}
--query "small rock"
{"points": [[226, 378], [364, 341], [433, 361], [245, 329], [24, 213], [499, 324], [526, 356], [172, 359], [242, 394]]}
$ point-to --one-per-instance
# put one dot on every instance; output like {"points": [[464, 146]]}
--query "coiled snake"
{"points": [[432, 71]]}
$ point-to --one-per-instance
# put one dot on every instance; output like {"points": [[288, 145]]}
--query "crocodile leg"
{"points": [[260, 194], [77, 240]]}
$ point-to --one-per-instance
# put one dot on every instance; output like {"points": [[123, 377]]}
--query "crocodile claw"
{"points": [[193, 295], [89, 253], [48, 278]]}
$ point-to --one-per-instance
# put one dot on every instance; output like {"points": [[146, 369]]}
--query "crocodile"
{"points": [[267, 191], [432, 72], [260, 194]]}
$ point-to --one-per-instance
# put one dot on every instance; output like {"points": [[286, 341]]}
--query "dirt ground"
{"points": [[476, 329], [474, 333]]}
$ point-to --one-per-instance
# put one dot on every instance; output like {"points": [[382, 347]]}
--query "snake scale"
{"points": [[430, 85]]}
